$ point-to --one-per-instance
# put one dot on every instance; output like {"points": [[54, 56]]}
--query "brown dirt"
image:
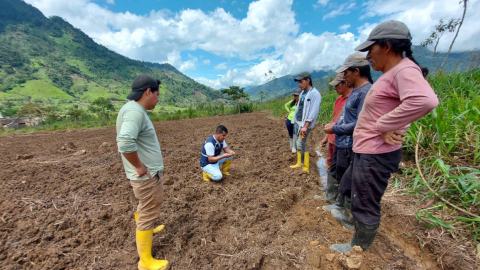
{"points": [[64, 211]]}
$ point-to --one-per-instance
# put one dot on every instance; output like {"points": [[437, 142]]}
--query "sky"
{"points": [[221, 42]]}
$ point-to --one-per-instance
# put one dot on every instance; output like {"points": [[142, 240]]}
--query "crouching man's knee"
{"points": [[217, 177]]}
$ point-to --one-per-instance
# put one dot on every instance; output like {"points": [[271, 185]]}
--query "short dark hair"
{"points": [[221, 129], [364, 72], [310, 82]]}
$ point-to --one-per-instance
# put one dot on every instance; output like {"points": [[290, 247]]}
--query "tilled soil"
{"points": [[62, 208]]}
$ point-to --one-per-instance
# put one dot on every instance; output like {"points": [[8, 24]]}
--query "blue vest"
{"points": [[218, 149]]}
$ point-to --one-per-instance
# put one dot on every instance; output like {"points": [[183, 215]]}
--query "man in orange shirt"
{"points": [[344, 91]]}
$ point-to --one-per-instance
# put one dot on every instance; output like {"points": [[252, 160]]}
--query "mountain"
{"points": [[285, 85], [47, 58]]}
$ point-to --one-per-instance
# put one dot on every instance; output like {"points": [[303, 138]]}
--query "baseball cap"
{"points": [[297, 92], [353, 60], [302, 76], [338, 79], [140, 84], [386, 30]]}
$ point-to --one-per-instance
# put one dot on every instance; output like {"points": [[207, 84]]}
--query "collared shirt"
{"points": [[135, 132]]}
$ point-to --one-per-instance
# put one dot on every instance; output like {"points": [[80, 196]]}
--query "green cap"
{"points": [[385, 30]]}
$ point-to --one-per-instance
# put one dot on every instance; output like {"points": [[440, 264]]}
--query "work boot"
{"points": [[345, 217], [306, 164], [207, 177], [364, 236], [299, 161], [332, 190], [225, 167], [338, 205], [144, 248], [157, 229], [294, 147]]}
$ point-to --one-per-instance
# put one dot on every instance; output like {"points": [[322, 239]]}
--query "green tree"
{"points": [[102, 105], [262, 96], [236, 94], [76, 114]]}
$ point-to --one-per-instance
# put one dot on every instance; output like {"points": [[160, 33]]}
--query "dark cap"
{"points": [[386, 30], [140, 84], [297, 92], [302, 76]]}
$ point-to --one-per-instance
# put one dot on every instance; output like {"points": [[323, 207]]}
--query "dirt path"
{"points": [[64, 211]]}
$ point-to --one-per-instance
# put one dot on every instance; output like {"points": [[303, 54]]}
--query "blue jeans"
{"points": [[289, 125], [301, 144], [214, 169]]}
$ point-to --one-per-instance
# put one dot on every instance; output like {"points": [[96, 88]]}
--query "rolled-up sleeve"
{"points": [[131, 126]]}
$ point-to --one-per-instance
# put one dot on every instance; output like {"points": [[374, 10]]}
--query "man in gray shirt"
{"points": [[142, 159], [305, 117]]}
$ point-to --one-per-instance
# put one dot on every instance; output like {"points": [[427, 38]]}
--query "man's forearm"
{"points": [[133, 159]]}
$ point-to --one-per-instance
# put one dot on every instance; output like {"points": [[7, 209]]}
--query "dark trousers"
{"points": [[344, 159], [289, 125], [369, 175], [333, 167]]}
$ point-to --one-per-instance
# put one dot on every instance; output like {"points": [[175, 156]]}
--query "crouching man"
{"points": [[214, 163]]}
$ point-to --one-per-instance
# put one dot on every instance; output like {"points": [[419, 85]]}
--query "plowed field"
{"points": [[64, 209]]}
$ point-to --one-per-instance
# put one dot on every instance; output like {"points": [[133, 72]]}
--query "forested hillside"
{"points": [[47, 58]]}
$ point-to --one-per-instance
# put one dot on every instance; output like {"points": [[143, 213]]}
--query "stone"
{"points": [[330, 257], [104, 144], [314, 243], [23, 157], [353, 259], [81, 152]]}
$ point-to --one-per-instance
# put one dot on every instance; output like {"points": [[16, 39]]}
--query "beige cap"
{"points": [[385, 30], [354, 60], [337, 79]]}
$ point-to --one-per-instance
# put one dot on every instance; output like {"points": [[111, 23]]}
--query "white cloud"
{"points": [[206, 62], [221, 66], [111, 2], [321, 3], [422, 16], [189, 64], [342, 10], [155, 36], [267, 38], [344, 27]]}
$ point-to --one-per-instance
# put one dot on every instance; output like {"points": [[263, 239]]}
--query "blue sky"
{"points": [[222, 43]]}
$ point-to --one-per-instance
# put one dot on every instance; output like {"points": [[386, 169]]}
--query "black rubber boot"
{"points": [[338, 205], [345, 216], [364, 236], [332, 190]]}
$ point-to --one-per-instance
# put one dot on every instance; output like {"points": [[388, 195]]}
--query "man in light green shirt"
{"points": [[142, 159]]}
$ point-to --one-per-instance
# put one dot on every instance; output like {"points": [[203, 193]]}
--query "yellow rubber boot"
{"points": [[299, 161], [225, 167], [306, 164], [144, 248], [157, 229], [206, 176]]}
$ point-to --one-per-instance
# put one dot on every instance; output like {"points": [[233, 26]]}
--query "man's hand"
{"points": [[324, 141], [303, 131], [393, 137], [141, 171], [328, 128]]}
